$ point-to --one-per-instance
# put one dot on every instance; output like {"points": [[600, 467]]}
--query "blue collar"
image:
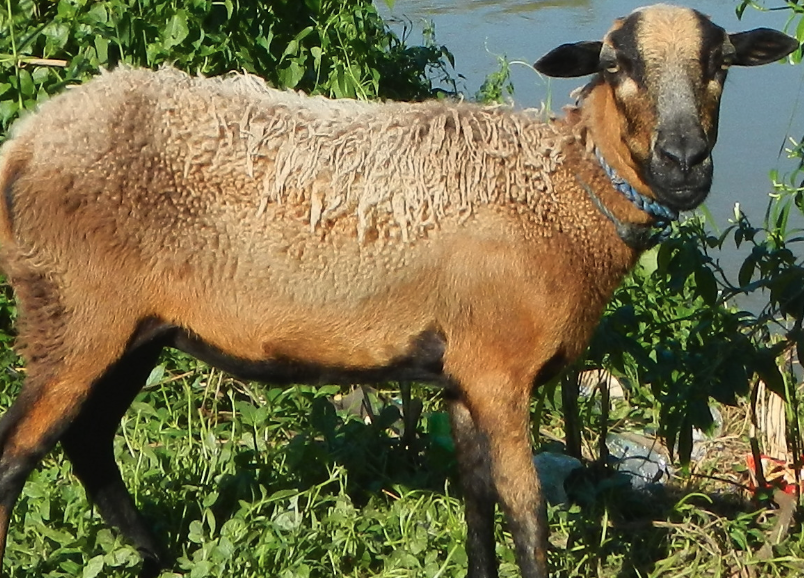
{"points": [[639, 237]]}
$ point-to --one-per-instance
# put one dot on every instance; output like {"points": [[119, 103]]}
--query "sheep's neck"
{"points": [[597, 128], [601, 129], [636, 235]]}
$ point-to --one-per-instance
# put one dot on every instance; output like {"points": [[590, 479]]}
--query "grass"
{"points": [[248, 481]]}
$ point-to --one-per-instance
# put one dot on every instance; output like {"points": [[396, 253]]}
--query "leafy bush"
{"points": [[334, 47], [667, 331], [674, 331]]}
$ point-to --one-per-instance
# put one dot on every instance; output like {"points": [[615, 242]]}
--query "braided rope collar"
{"points": [[639, 237]]}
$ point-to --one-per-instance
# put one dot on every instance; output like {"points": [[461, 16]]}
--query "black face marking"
{"points": [[629, 59], [714, 56]]}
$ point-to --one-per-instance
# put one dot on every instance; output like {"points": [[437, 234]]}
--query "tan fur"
{"points": [[449, 217], [205, 187]]}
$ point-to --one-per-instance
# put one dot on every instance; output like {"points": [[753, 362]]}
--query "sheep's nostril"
{"points": [[684, 151]]}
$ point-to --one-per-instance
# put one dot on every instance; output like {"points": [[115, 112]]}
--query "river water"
{"points": [[761, 106]]}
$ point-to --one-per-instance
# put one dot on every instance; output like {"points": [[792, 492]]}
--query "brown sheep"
{"points": [[292, 239]]}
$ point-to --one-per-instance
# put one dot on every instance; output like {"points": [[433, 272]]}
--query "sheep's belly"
{"points": [[422, 362]]}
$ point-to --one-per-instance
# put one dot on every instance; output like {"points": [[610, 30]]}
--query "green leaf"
{"points": [[304, 33], [66, 9], [57, 35], [27, 87], [93, 567], [211, 522], [707, 285], [196, 534], [264, 42], [157, 373], [201, 569], [8, 108], [746, 271], [40, 75], [739, 537], [102, 49], [316, 53], [768, 371], [281, 495], [176, 30], [800, 30], [98, 13], [781, 219], [291, 75], [649, 261], [291, 49]]}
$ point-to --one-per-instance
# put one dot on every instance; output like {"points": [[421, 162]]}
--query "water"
{"points": [[761, 106]]}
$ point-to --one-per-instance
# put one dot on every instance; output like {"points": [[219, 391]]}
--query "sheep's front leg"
{"points": [[472, 451], [493, 419]]}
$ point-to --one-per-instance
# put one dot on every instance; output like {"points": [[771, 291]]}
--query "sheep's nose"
{"points": [[685, 151]]}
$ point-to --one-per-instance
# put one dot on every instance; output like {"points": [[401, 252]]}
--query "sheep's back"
{"points": [[237, 179]]}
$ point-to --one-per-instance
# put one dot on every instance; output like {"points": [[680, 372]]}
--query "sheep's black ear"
{"points": [[761, 46], [571, 60]]}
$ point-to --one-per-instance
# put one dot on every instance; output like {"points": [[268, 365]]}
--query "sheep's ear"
{"points": [[571, 60], [761, 46]]}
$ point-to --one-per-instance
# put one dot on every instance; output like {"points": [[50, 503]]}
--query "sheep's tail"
{"points": [[13, 163]]}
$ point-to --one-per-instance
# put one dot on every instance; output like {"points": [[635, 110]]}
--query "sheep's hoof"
{"points": [[152, 566]]}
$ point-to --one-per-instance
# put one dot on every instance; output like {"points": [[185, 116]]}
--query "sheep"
{"points": [[294, 239]]}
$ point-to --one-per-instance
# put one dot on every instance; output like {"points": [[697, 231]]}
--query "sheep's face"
{"points": [[660, 74], [666, 70]]}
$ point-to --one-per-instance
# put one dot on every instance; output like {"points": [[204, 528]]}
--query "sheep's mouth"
{"points": [[684, 199], [680, 190]]}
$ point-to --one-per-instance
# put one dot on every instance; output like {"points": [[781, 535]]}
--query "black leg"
{"points": [[472, 452], [88, 443]]}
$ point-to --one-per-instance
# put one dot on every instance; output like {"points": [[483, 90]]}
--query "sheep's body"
{"points": [[302, 219], [338, 241], [295, 239]]}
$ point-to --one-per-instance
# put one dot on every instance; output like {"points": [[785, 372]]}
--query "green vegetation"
{"points": [[247, 480], [334, 47]]}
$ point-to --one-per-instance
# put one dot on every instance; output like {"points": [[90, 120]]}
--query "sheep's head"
{"points": [[652, 108]]}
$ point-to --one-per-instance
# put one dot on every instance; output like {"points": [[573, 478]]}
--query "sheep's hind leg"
{"points": [[66, 354], [89, 444]]}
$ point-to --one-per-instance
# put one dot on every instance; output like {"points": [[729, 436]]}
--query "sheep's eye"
{"points": [[610, 66], [722, 61]]}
